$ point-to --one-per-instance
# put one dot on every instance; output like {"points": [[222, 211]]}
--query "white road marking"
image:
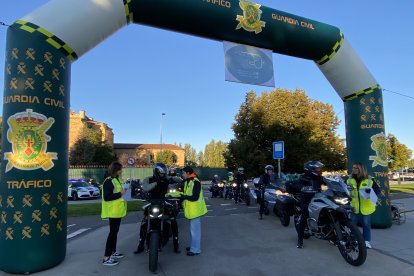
{"points": [[70, 225], [78, 232], [230, 209], [225, 204]]}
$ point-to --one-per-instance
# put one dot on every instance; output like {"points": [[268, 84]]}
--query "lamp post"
{"points": [[162, 116]]}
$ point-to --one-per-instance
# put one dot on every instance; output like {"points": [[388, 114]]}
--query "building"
{"points": [[145, 154], [79, 121]]}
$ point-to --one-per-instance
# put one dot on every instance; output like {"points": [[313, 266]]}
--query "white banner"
{"points": [[248, 64]]}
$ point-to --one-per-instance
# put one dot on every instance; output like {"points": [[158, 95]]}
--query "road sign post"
{"points": [[278, 153]]}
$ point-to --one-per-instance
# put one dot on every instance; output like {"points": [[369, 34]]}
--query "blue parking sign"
{"points": [[278, 150]]}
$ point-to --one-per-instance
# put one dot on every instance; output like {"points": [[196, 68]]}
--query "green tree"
{"points": [[168, 158], [90, 149], [213, 154], [82, 152], [190, 155], [307, 127], [399, 154]]}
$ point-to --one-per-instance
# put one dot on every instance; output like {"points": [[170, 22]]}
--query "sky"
{"points": [[140, 72]]}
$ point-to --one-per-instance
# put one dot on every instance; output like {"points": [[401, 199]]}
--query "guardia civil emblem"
{"points": [[27, 134], [250, 21], [379, 145]]}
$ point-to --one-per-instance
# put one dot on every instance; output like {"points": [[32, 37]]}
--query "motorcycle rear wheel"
{"points": [[352, 246], [153, 251]]}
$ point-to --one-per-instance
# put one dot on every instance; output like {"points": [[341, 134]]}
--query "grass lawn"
{"points": [[87, 209], [402, 188]]}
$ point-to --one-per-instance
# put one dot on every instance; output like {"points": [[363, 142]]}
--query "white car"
{"points": [[80, 189]]}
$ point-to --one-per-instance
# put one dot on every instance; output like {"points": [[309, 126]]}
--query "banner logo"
{"points": [[379, 145], [250, 21], [27, 134]]}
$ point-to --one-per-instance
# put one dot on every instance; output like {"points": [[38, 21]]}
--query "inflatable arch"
{"points": [[40, 49]]}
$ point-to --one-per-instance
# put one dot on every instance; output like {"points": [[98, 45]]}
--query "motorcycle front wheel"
{"points": [[153, 251], [352, 245]]}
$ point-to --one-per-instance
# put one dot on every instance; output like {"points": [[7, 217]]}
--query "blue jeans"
{"points": [[366, 225], [195, 233]]}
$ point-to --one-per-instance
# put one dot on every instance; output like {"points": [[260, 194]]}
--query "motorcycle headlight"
{"points": [[245, 185], [172, 190], [342, 200], [221, 185], [234, 185], [155, 211]]}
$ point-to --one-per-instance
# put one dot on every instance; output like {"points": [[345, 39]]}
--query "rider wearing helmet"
{"points": [[230, 179], [311, 182], [172, 171], [240, 179], [157, 187], [264, 181]]}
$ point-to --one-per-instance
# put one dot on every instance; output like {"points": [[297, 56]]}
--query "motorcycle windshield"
{"points": [[336, 184]]}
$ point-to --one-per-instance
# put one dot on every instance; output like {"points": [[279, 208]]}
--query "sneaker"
{"points": [[117, 255], [300, 245], [368, 244], [109, 261]]}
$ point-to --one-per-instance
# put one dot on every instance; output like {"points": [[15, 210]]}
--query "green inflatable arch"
{"points": [[40, 50]]}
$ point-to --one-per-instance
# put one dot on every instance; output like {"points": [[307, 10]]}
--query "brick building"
{"points": [[79, 121], [146, 153], [143, 153]]}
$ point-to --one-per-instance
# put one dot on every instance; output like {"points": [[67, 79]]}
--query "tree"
{"points": [[168, 158], [90, 149], [82, 152], [398, 154], [213, 154], [307, 127], [190, 156]]}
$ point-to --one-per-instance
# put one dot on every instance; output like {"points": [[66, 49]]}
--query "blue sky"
{"points": [[141, 72]]}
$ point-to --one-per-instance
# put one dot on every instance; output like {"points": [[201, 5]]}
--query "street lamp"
{"points": [[162, 116]]}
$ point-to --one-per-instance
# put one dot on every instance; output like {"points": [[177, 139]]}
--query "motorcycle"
{"points": [[230, 190], [330, 219], [245, 193], [217, 189], [175, 202], [157, 217]]}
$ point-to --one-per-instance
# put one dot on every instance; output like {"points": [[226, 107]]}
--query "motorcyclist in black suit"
{"points": [[311, 182], [157, 186], [264, 181], [240, 179]]}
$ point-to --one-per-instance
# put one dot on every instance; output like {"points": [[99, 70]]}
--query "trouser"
{"points": [[262, 201], [195, 233], [304, 204], [110, 247], [237, 195], [174, 230], [227, 194], [366, 224]]}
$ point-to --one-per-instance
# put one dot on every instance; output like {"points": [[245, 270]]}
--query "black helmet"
{"points": [[313, 167], [172, 170], [159, 169], [240, 169], [269, 167]]}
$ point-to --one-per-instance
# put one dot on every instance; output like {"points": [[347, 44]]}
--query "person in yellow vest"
{"points": [[194, 207], [363, 185], [114, 208]]}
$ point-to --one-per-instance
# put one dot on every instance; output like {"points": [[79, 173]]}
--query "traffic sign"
{"points": [[131, 161], [278, 150]]}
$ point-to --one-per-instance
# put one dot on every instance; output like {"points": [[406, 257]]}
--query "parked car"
{"points": [[81, 189]]}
